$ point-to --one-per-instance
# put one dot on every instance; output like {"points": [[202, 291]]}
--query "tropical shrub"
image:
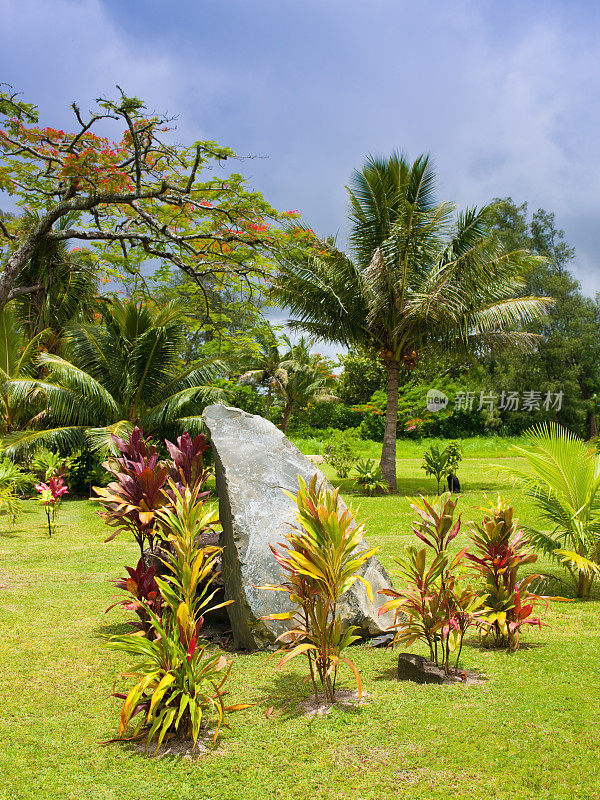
{"points": [[144, 596], [435, 462], [139, 491], [454, 456], [320, 559], [179, 688], [188, 461], [341, 451], [192, 568], [436, 607], [369, 477], [501, 549], [564, 481], [50, 496]]}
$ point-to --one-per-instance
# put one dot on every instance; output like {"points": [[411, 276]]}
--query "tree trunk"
{"points": [[388, 451], [269, 394], [591, 425], [287, 413]]}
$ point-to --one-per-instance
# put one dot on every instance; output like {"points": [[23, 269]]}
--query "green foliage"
{"points": [[341, 451], [441, 462], [567, 357], [128, 370], [320, 560], [13, 480], [434, 607], [362, 374], [369, 477], [564, 481], [500, 551], [179, 688], [454, 456], [435, 462]]}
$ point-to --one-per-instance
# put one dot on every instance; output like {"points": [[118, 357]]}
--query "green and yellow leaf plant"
{"points": [[437, 605], [501, 549], [320, 558], [179, 677]]}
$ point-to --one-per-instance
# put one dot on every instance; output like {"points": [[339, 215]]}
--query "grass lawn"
{"points": [[531, 731]]}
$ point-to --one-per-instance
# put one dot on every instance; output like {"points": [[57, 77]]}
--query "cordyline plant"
{"points": [[179, 690], [143, 595], [50, 497], [501, 551], [320, 559], [188, 461], [434, 607], [132, 500]]}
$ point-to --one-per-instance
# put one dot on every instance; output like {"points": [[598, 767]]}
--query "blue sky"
{"points": [[505, 95]]}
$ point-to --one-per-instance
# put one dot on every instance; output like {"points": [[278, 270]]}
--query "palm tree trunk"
{"points": [[287, 413], [388, 451], [269, 394]]}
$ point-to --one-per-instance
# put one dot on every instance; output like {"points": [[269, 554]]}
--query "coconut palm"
{"points": [[64, 286], [266, 364], [564, 481], [123, 373], [420, 277], [306, 380]]}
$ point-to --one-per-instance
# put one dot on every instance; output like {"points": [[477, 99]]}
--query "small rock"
{"points": [[419, 669]]}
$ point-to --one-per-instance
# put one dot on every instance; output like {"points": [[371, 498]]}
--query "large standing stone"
{"points": [[254, 463]]}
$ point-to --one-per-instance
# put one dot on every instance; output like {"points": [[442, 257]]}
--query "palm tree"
{"points": [[421, 277], [305, 380], [123, 373], [64, 287], [266, 365], [564, 481]]}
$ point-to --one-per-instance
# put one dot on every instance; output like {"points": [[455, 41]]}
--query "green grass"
{"points": [[531, 731]]}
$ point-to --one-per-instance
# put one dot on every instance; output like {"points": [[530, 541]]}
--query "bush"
{"points": [[369, 477], [501, 550], [341, 451], [180, 682], [434, 608], [320, 559]]}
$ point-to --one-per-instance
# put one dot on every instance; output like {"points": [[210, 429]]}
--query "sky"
{"points": [[504, 95]]}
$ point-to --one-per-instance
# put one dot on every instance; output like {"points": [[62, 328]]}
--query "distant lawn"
{"points": [[531, 731]]}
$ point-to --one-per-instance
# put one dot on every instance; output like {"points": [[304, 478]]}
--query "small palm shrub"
{"points": [[369, 477], [50, 497], [454, 456], [320, 559], [435, 462], [501, 549], [179, 679], [441, 462], [341, 452], [438, 605], [564, 481]]}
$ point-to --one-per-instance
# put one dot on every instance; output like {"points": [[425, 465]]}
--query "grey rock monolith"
{"points": [[254, 464]]}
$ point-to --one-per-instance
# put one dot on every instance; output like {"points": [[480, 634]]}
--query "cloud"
{"points": [[505, 96]]}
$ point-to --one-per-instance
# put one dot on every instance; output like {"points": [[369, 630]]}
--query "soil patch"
{"points": [[344, 698]]}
